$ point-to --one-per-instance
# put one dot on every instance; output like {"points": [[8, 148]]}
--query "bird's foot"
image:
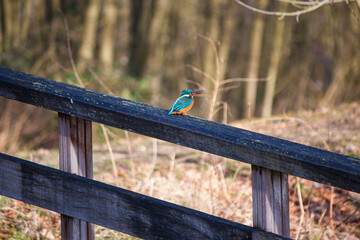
{"points": [[185, 114]]}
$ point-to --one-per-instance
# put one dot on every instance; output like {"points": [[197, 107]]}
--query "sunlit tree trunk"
{"points": [[158, 37], [26, 21], [107, 49], [221, 23], [273, 68], [180, 46], [16, 19], [39, 19], [212, 27], [8, 23], [336, 88], [88, 42], [52, 49], [226, 34], [254, 61]]}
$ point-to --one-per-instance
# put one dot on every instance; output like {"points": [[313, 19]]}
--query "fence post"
{"points": [[270, 191], [75, 153]]}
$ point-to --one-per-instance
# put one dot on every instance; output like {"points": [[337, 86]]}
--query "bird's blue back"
{"points": [[181, 103]]}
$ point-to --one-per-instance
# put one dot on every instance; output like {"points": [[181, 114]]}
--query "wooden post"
{"points": [[270, 191], [75, 152]]}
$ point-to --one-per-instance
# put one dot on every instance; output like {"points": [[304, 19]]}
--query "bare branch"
{"points": [[352, 11], [309, 3], [285, 14], [195, 69], [199, 86], [231, 80], [216, 81], [70, 51], [216, 54], [224, 89], [100, 81]]}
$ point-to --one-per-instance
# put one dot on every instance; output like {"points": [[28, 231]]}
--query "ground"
{"points": [[211, 184]]}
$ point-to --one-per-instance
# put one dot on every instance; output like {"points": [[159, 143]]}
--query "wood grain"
{"points": [[270, 191], [75, 156], [112, 207], [250, 147]]}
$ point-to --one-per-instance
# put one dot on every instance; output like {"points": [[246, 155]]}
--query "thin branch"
{"points": [[352, 11], [107, 140], [216, 54], [331, 216], [308, 3], [349, 216], [224, 89], [326, 146], [301, 208], [231, 80], [217, 110], [132, 166], [296, 119], [70, 52], [100, 81], [199, 86], [285, 14], [216, 81], [195, 69]]}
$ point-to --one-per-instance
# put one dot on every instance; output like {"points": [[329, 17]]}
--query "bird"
{"points": [[183, 103]]}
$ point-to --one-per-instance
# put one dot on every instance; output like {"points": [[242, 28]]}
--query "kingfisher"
{"points": [[183, 103]]}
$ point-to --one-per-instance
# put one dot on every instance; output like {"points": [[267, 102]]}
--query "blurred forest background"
{"points": [[150, 50], [249, 65]]}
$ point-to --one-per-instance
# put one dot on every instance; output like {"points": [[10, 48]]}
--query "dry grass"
{"points": [[216, 186], [24, 221]]}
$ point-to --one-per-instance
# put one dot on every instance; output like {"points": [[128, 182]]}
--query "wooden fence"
{"points": [[82, 201]]}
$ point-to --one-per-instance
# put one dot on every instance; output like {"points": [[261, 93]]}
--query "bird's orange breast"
{"points": [[187, 108]]}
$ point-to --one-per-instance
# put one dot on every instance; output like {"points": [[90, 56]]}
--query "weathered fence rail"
{"points": [[265, 153], [113, 207]]}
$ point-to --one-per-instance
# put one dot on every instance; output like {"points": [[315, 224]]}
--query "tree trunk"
{"points": [[254, 61], [221, 24], [16, 23], [55, 24], [39, 19], [87, 46], [212, 23], [225, 42], [141, 17], [157, 38], [273, 69], [8, 36], [26, 21], [107, 49], [337, 85]]}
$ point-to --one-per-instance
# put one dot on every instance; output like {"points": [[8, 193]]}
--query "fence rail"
{"points": [[271, 158], [113, 207], [223, 140]]}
